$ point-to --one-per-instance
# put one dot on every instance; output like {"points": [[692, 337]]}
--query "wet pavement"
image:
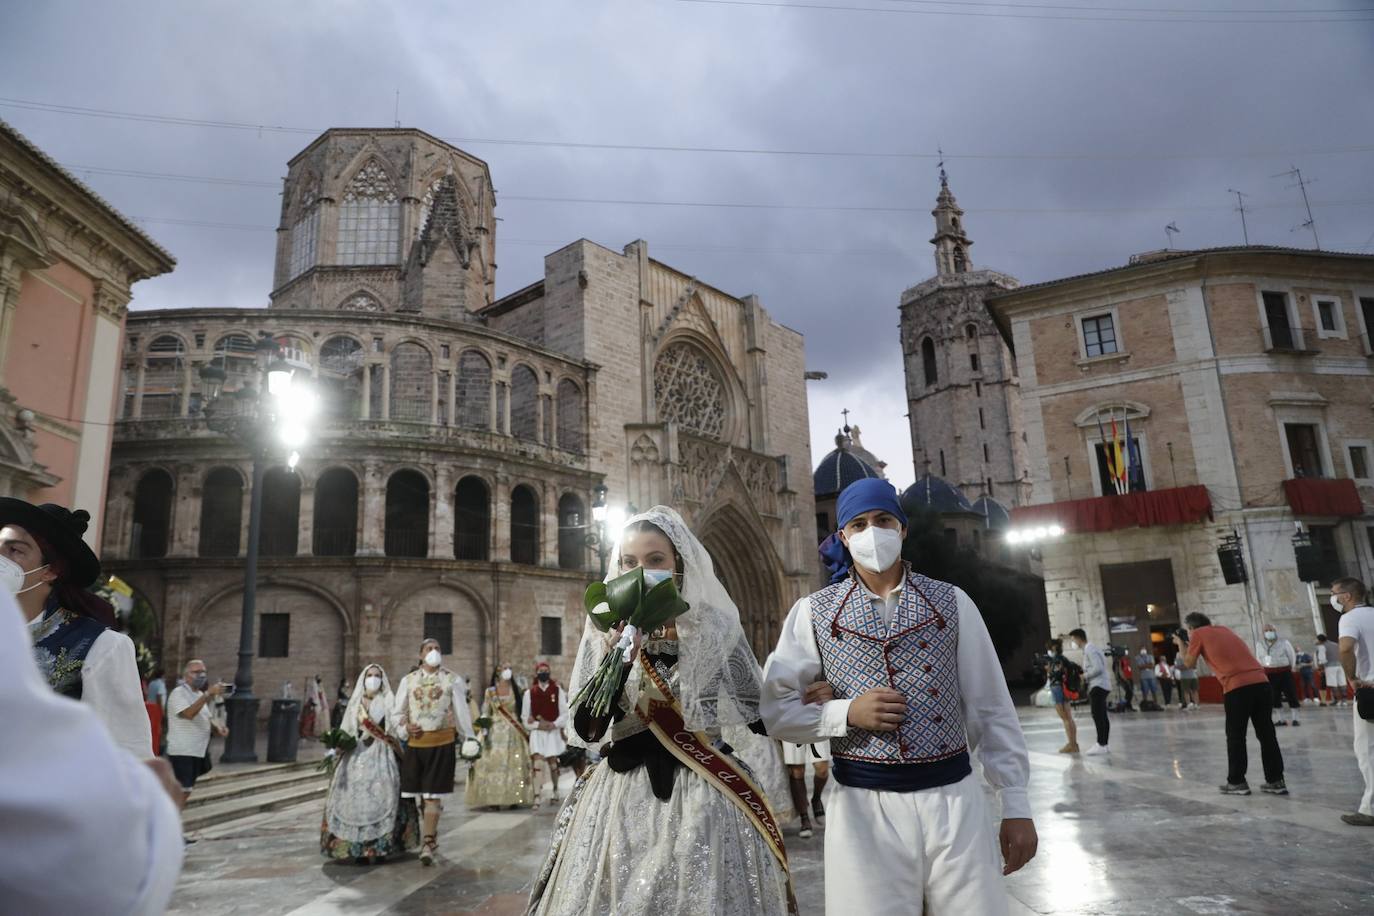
{"points": [[1143, 831]]}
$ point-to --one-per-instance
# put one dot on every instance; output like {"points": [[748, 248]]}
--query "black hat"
{"points": [[62, 529]]}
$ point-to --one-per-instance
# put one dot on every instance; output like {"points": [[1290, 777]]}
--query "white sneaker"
{"points": [[1097, 750]]}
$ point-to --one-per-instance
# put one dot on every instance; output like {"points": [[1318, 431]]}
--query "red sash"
{"points": [[500, 707], [375, 731]]}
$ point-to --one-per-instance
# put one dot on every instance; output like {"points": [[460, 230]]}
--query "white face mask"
{"points": [[1335, 603], [372, 683], [876, 549], [505, 674], [1270, 636], [12, 576], [433, 658], [654, 576]]}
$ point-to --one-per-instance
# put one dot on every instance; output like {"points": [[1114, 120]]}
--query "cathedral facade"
{"points": [[448, 488]]}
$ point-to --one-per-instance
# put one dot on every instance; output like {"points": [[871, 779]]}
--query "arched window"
{"points": [[281, 513], [524, 526], [960, 260], [341, 377], [688, 390], [474, 390], [407, 515], [152, 515], [336, 514], [572, 435], [524, 404], [369, 218], [412, 382], [572, 532], [361, 302], [928, 361], [305, 231], [237, 355], [162, 377], [970, 331], [221, 513], [471, 519]]}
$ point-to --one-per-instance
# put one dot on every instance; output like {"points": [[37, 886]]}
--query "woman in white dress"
{"points": [[365, 818], [669, 821]]}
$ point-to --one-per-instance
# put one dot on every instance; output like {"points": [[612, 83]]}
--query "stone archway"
{"points": [[438, 610], [749, 569]]}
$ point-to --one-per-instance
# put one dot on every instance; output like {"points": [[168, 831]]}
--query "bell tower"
{"points": [[951, 244]]}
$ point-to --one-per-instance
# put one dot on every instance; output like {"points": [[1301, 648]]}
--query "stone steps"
{"points": [[213, 791], [234, 792], [218, 812]]}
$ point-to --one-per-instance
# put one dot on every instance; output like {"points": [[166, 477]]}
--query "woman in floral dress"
{"points": [[502, 776]]}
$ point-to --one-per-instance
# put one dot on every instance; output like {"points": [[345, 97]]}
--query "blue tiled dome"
{"points": [[934, 494], [838, 470], [996, 514]]}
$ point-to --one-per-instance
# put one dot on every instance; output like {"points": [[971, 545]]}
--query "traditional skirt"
{"points": [[428, 771], [795, 755]]}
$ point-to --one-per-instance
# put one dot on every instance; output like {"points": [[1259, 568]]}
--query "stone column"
{"points": [[434, 398], [373, 540], [505, 407], [386, 391], [441, 516], [493, 421], [138, 390], [305, 529], [367, 391], [185, 539], [548, 528], [500, 519], [185, 408], [119, 513], [453, 398]]}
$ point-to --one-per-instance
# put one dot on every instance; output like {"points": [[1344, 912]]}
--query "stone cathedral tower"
{"points": [[963, 395]]}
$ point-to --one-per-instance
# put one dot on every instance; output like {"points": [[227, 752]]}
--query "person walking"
{"points": [[1164, 673], [546, 715], [503, 777], [189, 723], [795, 757], [1247, 697], [1058, 673], [1098, 678], [1350, 598], [1279, 658], [1333, 674], [917, 689]]}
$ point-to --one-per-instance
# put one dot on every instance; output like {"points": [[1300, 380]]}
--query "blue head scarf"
{"points": [[859, 497]]}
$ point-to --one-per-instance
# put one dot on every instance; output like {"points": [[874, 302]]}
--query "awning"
{"points": [[1174, 506], [1317, 496]]}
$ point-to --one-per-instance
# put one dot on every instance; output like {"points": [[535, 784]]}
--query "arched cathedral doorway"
{"points": [[747, 566]]}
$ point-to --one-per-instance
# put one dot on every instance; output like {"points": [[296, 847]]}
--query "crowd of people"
{"points": [[878, 680]]}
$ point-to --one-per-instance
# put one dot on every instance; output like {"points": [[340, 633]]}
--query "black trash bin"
{"points": [[283, 731]]}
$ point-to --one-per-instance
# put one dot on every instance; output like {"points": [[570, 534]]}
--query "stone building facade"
{"points": [[68, 261], [449, 484], [961, 379], [1245, 375]]}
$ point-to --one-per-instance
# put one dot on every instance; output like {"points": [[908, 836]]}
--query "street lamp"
{"points": [[598, 536], [273, 417]]}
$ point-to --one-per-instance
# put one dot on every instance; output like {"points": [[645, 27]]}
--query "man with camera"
{"points": [[190, 721], [1099, 681], [1247, 698]]}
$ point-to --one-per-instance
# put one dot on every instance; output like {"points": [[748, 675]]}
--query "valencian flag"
{"points": [[1108, 450]]}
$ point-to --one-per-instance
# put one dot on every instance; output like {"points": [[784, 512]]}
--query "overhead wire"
{"points": [[1300, 16]]}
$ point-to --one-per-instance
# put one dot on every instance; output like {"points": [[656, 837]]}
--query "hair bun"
{"points": [[81, 520]]}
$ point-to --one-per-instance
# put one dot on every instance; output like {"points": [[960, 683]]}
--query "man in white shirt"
{"points": [[917, 685], [1098, 677], [1329, 660], [1279, 658], [1351, 598], [189, 723], [86, 826]]}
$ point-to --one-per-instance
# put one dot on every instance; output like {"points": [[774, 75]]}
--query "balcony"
{"points": [[1316, 496], [1285, 339], [1173, 506]]}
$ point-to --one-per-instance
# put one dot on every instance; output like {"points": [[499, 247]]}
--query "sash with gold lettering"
{"points": [[501, 708], [659, 708]]}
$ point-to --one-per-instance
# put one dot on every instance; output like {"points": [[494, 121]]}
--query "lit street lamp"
{"points": [[269, 419], [609, 520]]}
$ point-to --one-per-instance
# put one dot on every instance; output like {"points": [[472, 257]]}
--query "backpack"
{"points": [[1072, 680]]}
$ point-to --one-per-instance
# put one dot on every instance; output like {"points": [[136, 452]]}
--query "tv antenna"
{"points": [[1240, 206], [1169, 232], [1296, 173], [397, 112]]}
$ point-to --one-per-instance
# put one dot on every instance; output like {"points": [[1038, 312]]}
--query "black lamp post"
{"points": [[261, 418]]}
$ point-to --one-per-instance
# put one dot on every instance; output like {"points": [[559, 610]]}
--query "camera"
{"points": [[1116, 652], [227, 690], [1040, 659], [1181, 633]]}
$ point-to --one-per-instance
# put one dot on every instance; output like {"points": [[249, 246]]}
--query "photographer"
{"points": [[1099, 682], [1247, 697], [189, 722]]}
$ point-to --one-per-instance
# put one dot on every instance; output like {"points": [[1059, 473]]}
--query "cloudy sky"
{"points": [[764, 147]]}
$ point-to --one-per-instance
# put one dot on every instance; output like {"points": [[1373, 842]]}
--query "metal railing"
{"points": [[1283, 338], [335, 542], [407, 543]]}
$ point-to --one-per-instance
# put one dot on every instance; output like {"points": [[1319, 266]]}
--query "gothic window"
{"points": [[162, 377], [473, 390], [471, 519], [928, 361], [572, 532], [361, 302], [524, 404], [281, 513], [221, 511], [305, 237], [407, 515], [970, 330], [571, 434], [152, 515], [369, 218], [336, 514], [412, 382], [341, 374], [689, 391], [524, 526]]}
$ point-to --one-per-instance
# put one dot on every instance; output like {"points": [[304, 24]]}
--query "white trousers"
{"points": [[888, 852], [1364, 756]]}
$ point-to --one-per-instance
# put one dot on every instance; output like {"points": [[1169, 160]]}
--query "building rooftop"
{"points": [[935, 494], [840, 468]]}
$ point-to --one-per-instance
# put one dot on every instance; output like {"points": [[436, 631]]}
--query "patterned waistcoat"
{"points": [[60, 644], [429, 699], [917, 656]]}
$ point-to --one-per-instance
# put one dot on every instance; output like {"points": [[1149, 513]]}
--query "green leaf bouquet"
{"points": [[339, 743], [624, 599]]}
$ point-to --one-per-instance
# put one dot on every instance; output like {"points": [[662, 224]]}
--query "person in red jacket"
{"points": [[1247, 697]]}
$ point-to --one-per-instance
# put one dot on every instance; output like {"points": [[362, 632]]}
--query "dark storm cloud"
{"points": [[1161, 117]]}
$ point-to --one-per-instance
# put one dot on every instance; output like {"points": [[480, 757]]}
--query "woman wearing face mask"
{"points": [[47, 566], [365, 818], [502, 778], [431, 714], [917, 687], [634, 835]]}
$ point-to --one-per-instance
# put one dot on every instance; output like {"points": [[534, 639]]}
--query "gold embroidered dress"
{"points": [[502, 776]]}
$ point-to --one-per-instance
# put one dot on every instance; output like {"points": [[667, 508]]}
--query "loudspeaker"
{"points": [[1232, 565]]}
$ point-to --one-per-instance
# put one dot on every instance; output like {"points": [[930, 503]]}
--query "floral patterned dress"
{"points": [[502, 775], [364, 815]]}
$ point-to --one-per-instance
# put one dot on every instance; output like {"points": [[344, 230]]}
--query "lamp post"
{"points": [[598, 537], [265, 419]]}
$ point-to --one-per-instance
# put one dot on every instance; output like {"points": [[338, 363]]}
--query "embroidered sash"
{"points": [[659, 708], [377, 732], [501, 708]]}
